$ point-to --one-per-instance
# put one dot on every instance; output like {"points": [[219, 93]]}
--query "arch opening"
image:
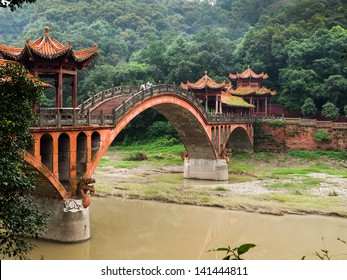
{"points": [[81, 156], [96, 141], [190, 125], [191, 132], [239, 141], [64, 159], [46, 151]]}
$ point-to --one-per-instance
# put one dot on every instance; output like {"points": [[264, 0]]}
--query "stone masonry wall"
{"points": [[298, 134]]}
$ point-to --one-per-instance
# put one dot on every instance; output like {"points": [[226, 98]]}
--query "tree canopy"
{"points": [[20, 218], [299, 44]]}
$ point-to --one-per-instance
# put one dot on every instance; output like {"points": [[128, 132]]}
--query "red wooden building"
{"points": [[216, 97], [47, 58], [248, 86]]}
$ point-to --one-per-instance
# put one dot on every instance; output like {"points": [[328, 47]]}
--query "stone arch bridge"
{"points": [[69, 144]]}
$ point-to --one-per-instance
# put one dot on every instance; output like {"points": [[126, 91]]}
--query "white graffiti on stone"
{"points": [[73, 205]]}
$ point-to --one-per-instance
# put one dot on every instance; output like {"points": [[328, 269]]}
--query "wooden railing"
{"points": [[307, 122], [104, 95], [82, 115]]}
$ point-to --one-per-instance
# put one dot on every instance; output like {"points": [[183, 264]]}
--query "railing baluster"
{"points": [[58, 118], [102, 120], [82, 108], [88, 117], [74, 117], [114, 116]]}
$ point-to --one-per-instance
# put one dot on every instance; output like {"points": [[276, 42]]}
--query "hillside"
{"points": [[298, 43]]}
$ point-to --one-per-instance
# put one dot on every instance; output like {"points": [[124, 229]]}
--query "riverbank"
{"points": [[269, 183]]}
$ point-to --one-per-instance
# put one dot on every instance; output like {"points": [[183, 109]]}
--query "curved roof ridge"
{"points": [[49, 48], [206, 82], [248, 73]]}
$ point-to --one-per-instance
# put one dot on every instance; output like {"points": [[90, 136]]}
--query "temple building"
{"points": [[216, 97], [247, 85], [47, 58]]}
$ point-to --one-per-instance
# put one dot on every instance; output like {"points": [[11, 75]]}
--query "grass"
{"points": [[107, 163], [337, 155], [159, 153]]}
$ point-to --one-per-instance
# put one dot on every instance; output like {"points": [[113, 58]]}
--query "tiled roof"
{"points": [[48, 48], [11, 52], [31, 76], [235, 101], [243, 91], [83, 55], [205, 82], [247, 74]]}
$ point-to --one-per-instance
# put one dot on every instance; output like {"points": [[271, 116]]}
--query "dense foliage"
{"points": [[300, 44], [20, 218]]}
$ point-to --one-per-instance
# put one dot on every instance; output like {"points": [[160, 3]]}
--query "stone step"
{"points": [[107, 107]]}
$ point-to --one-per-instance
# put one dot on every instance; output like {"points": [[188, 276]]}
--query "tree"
{"points": [[330, 111], [13, 4], [308, 108], [345, 110], [20, 217]]}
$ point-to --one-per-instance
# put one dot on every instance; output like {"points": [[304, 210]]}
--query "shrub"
{"points": [[322, 135], [330, 111], [136, 156], [308, 108], [159, 129], [276, 123]]}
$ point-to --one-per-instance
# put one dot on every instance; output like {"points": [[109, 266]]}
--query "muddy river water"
{"points": [[134, 229]]}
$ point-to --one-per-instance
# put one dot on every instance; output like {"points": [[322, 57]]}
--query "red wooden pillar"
{"points": [[257, 106], [220, 104], [74, 91], [59, 89], [266, 112], [37, 146]]}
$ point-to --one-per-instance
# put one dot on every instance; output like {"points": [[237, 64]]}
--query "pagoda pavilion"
{"points": [[216, 97], [47, 58], [248, 86]]}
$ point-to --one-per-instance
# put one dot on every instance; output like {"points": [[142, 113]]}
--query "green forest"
{"points": [[300, 44]]}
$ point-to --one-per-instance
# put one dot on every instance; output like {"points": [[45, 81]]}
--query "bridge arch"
{"points": [[47, 184], [188, 121], [239, 140]]}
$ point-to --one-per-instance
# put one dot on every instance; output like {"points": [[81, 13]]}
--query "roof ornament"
{"points": [[47, 31], [205, 76]]}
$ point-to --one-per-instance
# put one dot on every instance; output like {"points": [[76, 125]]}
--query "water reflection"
{"points": [[134, 229]]}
